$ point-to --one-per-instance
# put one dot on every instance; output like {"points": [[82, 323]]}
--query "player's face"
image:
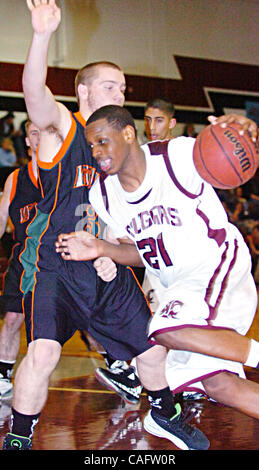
{"points": [[158, 125], [33, 137], [109, 147], [107, 88]]}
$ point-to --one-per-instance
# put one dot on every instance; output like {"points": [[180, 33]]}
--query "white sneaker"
{"points": [[6, 389]]}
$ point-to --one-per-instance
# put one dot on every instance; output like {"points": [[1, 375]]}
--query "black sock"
{"points": [[23, 425], [108, 359], [6, 369], [162, 401]]}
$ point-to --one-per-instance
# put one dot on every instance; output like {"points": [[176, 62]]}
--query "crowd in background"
{"points": [[13, 151], [242, 207]]}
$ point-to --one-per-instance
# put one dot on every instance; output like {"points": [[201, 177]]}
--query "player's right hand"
{"points": [[78, 246], [105, 268], [45, 16]]}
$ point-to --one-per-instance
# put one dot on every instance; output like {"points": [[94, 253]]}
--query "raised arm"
{"points": [[42, 108]]}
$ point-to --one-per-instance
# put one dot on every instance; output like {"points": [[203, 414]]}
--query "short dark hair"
{"points": [[164, 105], [116, 116], [89, 72]]}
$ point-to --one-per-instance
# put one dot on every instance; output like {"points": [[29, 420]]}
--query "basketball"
{"points": [[223, 157]]}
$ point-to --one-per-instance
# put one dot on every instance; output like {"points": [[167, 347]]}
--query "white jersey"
{"points": [[175, 218], [183, 236]]}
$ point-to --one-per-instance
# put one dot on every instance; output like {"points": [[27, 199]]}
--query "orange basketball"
{"points": [[223, 157]]}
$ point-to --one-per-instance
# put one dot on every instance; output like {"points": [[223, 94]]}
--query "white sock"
{"points": [[253, 356]]}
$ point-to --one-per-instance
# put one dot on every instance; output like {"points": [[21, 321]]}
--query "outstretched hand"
{"points": [[46, 16], [246, 125], [78, 246]]}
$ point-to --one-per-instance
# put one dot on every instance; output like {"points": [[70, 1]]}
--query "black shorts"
{"points": [[11, 298], [115, 313]]}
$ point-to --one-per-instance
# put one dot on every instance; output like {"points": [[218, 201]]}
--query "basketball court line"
{"points": [[80, 390]]}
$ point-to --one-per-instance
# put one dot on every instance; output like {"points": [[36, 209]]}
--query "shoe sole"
{"points": [[111, 386], [153, 428]]}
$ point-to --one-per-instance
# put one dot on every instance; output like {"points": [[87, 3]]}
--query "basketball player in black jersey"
{"points": [[60, 297], [20, 196]]}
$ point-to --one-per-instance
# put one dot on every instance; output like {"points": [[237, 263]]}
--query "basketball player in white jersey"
{"points": [[154, 200]]}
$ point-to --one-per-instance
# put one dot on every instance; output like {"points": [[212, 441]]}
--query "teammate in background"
{"points": [[159, 119], [176, 224], [20, 196], [70, 295]]}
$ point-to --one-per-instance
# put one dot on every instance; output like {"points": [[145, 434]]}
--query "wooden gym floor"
{"points": [[80, 414]]}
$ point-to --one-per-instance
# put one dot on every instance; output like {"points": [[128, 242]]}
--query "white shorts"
{"points": [[227, 301], [153, 290]]}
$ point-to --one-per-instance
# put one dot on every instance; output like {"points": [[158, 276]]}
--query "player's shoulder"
{"points": [[11, 184], [175, 145], [13, 177], [180, 150], [181, 143]]}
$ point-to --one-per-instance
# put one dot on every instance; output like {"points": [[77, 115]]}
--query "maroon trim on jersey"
{"points": [[141, 199], [185, 386], [219, 235], [161, 147], [214, 310], [212, 281], [102, 179]]}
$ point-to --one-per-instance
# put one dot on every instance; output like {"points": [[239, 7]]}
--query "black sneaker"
{"points": [[124, 382], [176, 429], [117, 364], [13, 442]]}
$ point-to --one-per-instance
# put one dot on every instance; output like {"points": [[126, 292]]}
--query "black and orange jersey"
{"points": [[25, 194], [24, 197], [65, 183]]}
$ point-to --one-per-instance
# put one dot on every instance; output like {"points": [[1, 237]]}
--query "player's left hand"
{"points": [[105, 268], [246, 125]]}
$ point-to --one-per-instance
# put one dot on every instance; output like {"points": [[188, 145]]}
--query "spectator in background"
{"points": [[7, 125], [7, 153], [254, 192], [241, 208], [253, 244], [7, 129], [189, 131]]}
